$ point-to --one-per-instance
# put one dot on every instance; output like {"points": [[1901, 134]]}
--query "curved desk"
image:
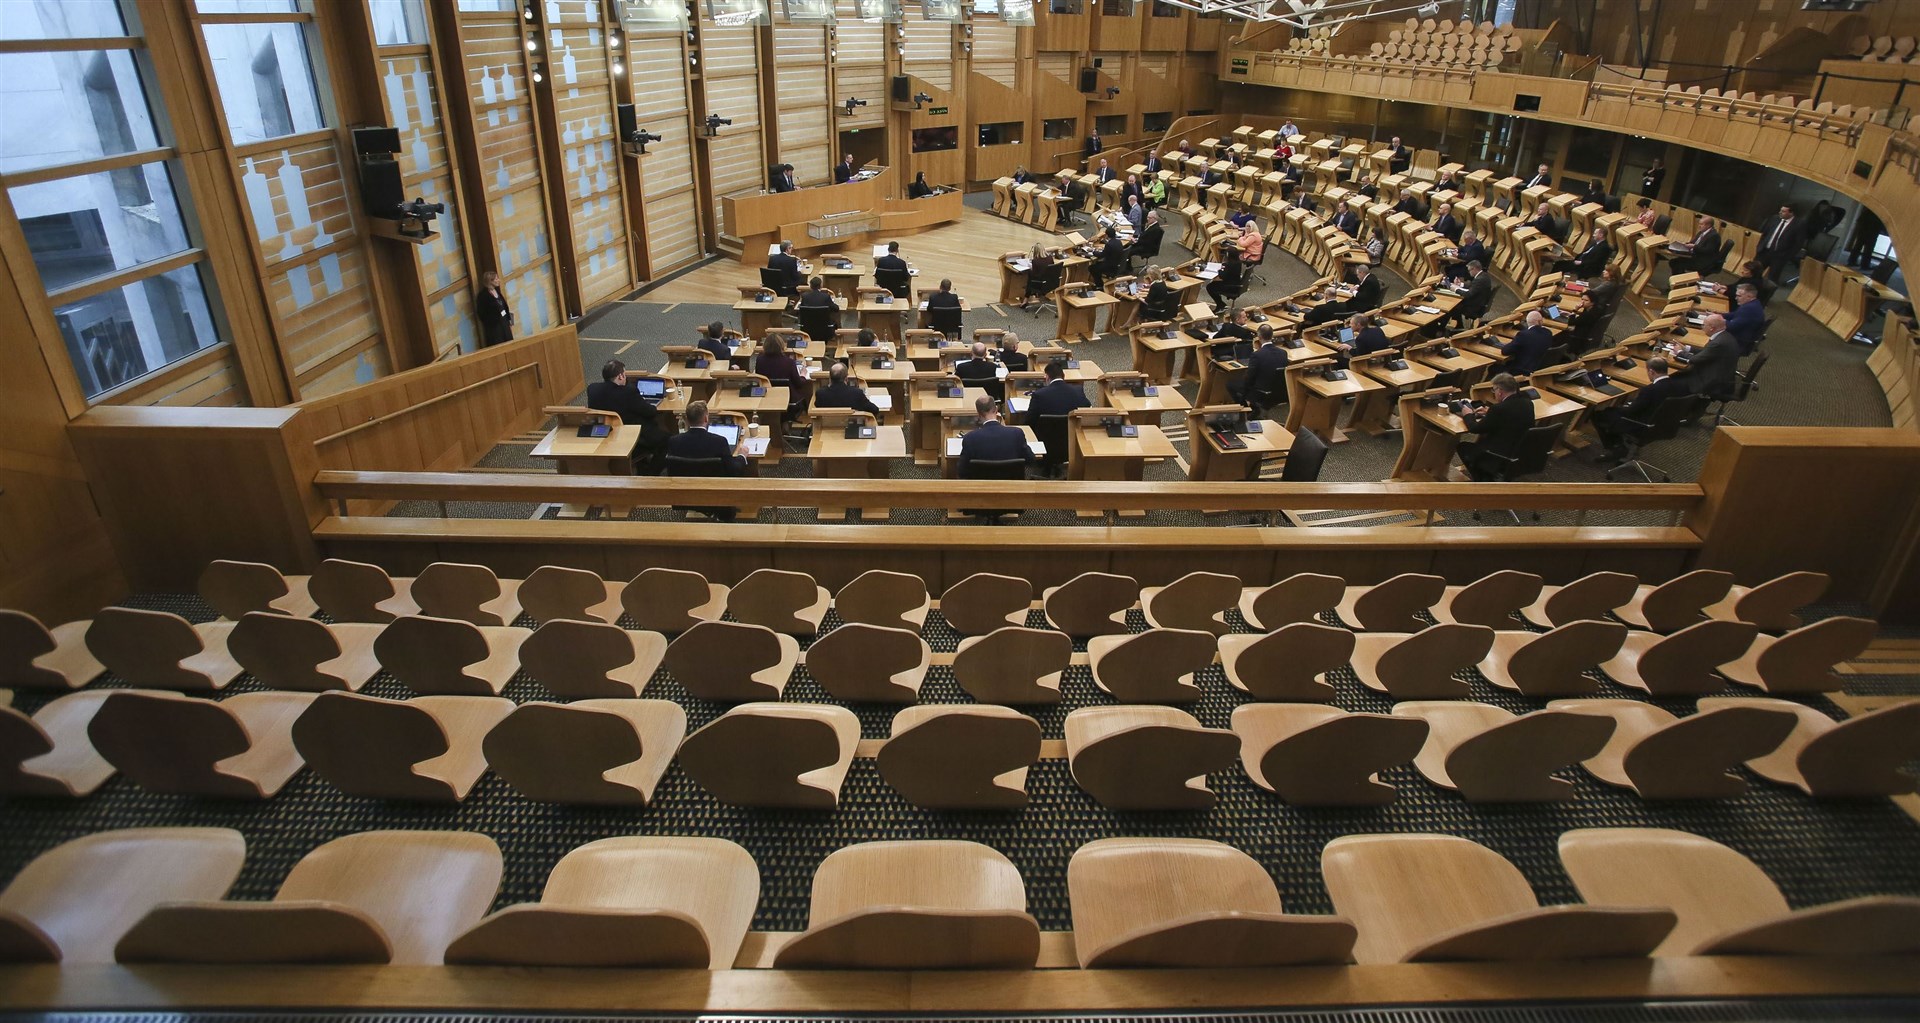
{"points": [[831, 216]]}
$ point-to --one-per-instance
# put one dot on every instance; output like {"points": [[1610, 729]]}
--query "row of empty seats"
{"points": [[155, 895]]}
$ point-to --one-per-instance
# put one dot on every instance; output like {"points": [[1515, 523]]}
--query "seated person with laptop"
{"points": [[617, 393], [707, 450]]}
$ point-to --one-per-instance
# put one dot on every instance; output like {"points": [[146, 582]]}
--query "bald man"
{"points": [[1711, 370], [980, 371], [1528, 349]]}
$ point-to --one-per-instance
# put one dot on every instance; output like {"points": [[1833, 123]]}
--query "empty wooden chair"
{"points": [[49, 754], [1290, 663], [425, 749], [33, 656], [450, 655], [375, 897], [915, 905], [608, 752], [1323, 756], [960, 757], [1491, 600], [1724, 903], [1676, 603], [786, 602], [354, 591], [774, 754], [1660, 756], [661, 903], [238, 748], [158, 650], [1391, 606], [1802, 661], [1420, 665], [304, 654], [870, 663], [72, 903], [1437, 898], [1682, 664], [1552, 663], [731, 661], [468, 593], [1771, 606], [1297, 598], [554, 593], [672, 601], [235, 588], [1197, 601], [1090, 604], [1491, 756], [1156, 666], [577, 659], [1185, 902], [894, 600], [983, 602], [1146, 758], [1859, 758], [1588, 597], [1013, 665]]}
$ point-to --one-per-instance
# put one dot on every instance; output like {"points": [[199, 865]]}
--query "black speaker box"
{"points": [[628, 122], [1088, 79], [381, 189], [902, 89]]}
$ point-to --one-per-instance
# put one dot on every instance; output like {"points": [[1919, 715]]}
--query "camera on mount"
{"points": [[638, 139], [852, 102], [714, 123]]}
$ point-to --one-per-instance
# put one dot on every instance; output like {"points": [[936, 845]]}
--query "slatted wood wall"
{"points": [[596, 212], [731, 82], [803, 99], [657, 64]]}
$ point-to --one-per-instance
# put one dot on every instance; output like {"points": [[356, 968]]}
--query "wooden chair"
{"points": [[1588, 597], [786, 602], [1156, 666], [449, 655], [1437, 898], [984, 602], [893, 600], [731, 661], [959, 757], [1013, 665], [426, 749], [1420, 665], [1323, 756], [1725, 904], [1491, 756], [1297, 598], [1391, 606], [915, 906], [1552, 663], [1145, 757], [49, 753], [1802, 661], [774, 754], [1185, 902], [235, 588], [672, 601], [157, 650], [1660, 756], [870, 663], [1090, 604], [1771, 605], [1859, 758], [1676, 603], [33, 656], [576, 659], [552, 593], [1197, 601], [304, 654], [72, 903], [601, 752], [238, 748], [1682, 664], [468, 593], [1290, 663], [394, 897], [658, 903], [1491, 600], [354, 591]]}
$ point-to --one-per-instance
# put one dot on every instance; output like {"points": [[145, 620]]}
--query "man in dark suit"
{"points": [[1146, 245], [1446, 224], [1409, 204], [892, 261], [841, 392], [1747, 321], [980, 371], [615, 393], [1478, 296], [1544, 223], [1542, 176], [788, 266], [1132, 189], [992, 440], [1703, 251], [1368, 290], [1367, 339], [1238, 328], [1586, 326], [1111, 261], [943, 309], [1104, 173], [779, 176], [1093, 144], [843, 171], [1056, 397], [1071, 200], [713, 341], [1400, 159], [1713, 368], [1346, 220], [1010, 354], [1153, 163], [1613, 424], [1591, 259], [696, 442], [1501, 428], [825, 317], [1266, 370], [1782, 240], [1470, 250], [1528, 349]]}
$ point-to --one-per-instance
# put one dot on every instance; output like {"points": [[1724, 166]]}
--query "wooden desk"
{"points": [[1129, 299], [1215, 464], [1429, 438], [1155, 355], [836, 457], [757, 317], [1316, 402], [843, 281], [925, 412], [770, 407], [1147, 411], [1002, 197], [1471, 366], [883, 318], [867, 211], [1092, 455], [574, 455], [1371, 410], [949, 450], [1079, 315]]}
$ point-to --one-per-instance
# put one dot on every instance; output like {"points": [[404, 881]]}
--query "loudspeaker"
{"points": [[902, 89], [628, 122], [1088, 79], [381, 189], [376, 141]]}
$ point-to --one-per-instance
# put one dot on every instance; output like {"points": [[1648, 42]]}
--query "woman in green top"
{"points": [[1156, 191]]}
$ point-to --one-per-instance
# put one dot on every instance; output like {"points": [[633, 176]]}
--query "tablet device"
{"points": [[729, 432]]}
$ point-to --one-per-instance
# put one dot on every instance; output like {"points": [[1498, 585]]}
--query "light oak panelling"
{"points": [[324, 309], [583, 110], [657, 62], [930, 52], [496, 82], [859, 68], [410, 93], [803, 133], [736, 159], [217, 383]]}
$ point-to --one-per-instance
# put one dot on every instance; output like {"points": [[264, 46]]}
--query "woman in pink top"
{"points": [[1252, 245]]}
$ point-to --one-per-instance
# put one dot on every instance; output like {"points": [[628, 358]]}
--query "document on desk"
{"points": [[1017, 404], [882, 399], [756, 447], [879, 250], [1020, 266], [1209, 272]]}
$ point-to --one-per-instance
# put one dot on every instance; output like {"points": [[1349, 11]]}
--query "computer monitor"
{"points": [[729, 432], [651, 387]]}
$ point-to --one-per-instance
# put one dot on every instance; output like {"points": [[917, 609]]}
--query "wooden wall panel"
{"points": [[930, 52], [493, 51], [657, 63], [803, 102], [737, 157], [859, 68], [410, 93], [583, 111]]}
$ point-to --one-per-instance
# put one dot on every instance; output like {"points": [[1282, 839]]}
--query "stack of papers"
{"points": [[1020, 266], [881, 398]]}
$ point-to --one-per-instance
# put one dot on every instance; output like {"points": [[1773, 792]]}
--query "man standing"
{"points": [[1650, 181], [1782, 240], [1093, 144], [1528, 349], [1501, 428], [992, 440], [1714, 367]]}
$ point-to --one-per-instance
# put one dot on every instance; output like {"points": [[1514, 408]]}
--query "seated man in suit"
{"points": [[1747, 321], [1368, 290], [980, 371], [842, 392], [1010, 354], [1239, 328], [1478, 297], [1712, 370], [843, 171], [1501, 428], [615, 393], [1470, 250], [1446, 224], [1544, 223], [788, 266], [1614, 424], [1346, 220], [1071, 200], [1265, 378], [1057, 397], [1585, 328], [1409, 204], [992, 440], [1592, 259], [1542, 176], [1400, 158], [1528, 349], [713, 341], [1104, 173], [1367, 339], [782, 181], [1146, 244], [696, 442], [1111, 261], [943, 309], [1703, 255], [825, 317]]}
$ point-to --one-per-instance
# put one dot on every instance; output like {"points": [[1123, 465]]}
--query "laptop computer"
{"points": [[729, 432], [650, 388]]}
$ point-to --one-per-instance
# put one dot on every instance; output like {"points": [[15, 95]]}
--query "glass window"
{"points": [[1064, 6], [809, 12], [71, 106], [1166, 10], [733, 13], [1114, 124], [1058, 128], [489, 6], [246, 6], [1157, 122], [1002, 133], [986, 6], [61, 19], [1016, 12], [266, 80], [398, 22], [941, 10], [84, 227], [133, 330]]}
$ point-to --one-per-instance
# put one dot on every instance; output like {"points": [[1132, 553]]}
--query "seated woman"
{"points": [[1156, 192], [1377, 247], [1228, 284], [783, 370], [1253, 244], [919, 189], [1043, 262]]}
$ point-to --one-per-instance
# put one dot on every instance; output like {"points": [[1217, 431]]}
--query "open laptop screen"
{"points": [[730, 432]]}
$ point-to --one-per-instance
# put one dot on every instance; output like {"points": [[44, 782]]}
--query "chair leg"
{"points": [[1645, 469]]}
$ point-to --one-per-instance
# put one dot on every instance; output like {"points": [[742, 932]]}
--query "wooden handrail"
{"points": [[436, 399]]}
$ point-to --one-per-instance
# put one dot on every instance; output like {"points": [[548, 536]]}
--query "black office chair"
{"points": [[994, 469], [1041, 284], [819, 322], [946, 320], [1304, 458], [1250, 270], [680, 465], [1528, 459], [1743, 384], [1231, 292], [1051, 431], [1665, 424], [900, 282], [777, 282]]}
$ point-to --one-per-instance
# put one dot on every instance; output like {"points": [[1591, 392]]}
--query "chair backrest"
{"points": [[819, 320], [984, 602], [899, 282], [1535, 450], [1304, 458], [1744, 383], [1051, 432], [22, 639], [1671, 414], [555, 592], [285, 652], [81, 896], [680, 465], [775, 280], [430, 655], [775, 598], [883, 598], [145, 648], [234, 588], [996, 469], [946, 319]]}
